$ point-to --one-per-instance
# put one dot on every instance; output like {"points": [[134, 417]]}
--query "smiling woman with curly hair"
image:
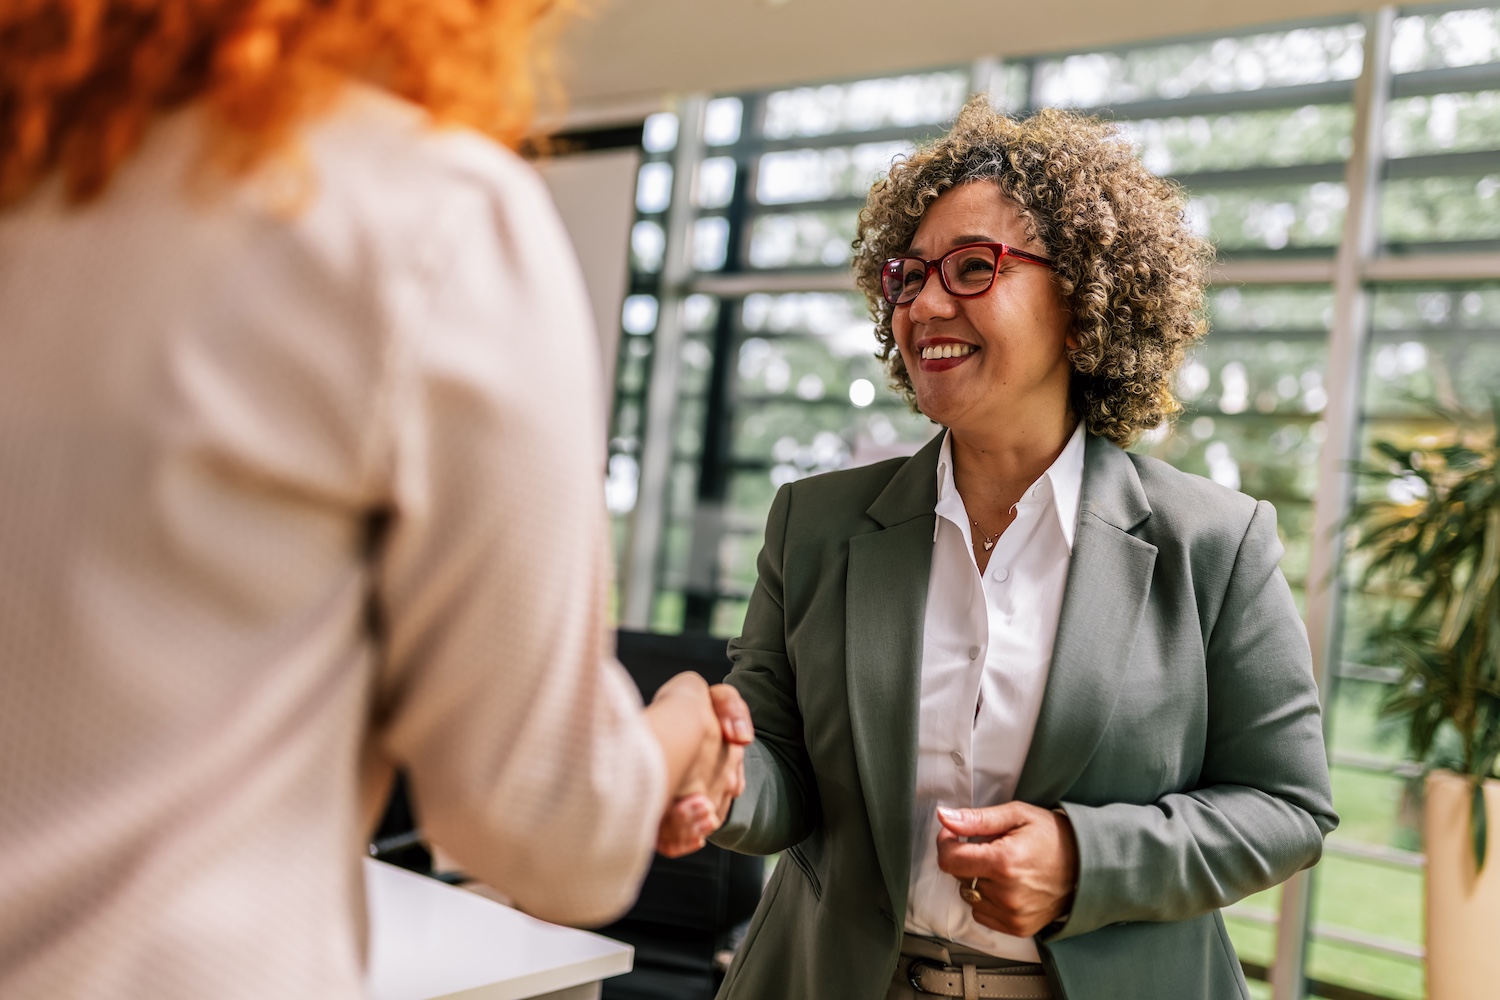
{"points": [[1029, 709], [1126, 263]]}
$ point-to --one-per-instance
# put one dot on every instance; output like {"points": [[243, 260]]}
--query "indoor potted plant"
{"points": [[1431, 534]]}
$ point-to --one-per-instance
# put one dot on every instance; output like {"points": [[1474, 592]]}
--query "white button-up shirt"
{"points": [[986, 651]]}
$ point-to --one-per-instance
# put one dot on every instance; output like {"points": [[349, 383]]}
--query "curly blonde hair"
{"points": [[82, 80], [1129, 267]]}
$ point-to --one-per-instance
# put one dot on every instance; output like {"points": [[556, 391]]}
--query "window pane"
{"points": [[1355, 726], [1372, 900], [715, 187], [1407, 375], [800, 440], [628, 424], [1432, 345], [666, 612], [659, 133], [621, 484], [1440, 209], [737, 550], [653, 187], [1311, 134], [687, 442], [1283, 216], [1382, 810], [816, 174], [1464, 307], [1452, 38], [648, 246], [1228, 376], [1254, 941], [721, 121], [630, 375], [1370, 972], [729, 618], [905, 101], [1280, 59], [750, 495], [841, 320], [710, 242], [788, 366], [1251, 925], [638, 314], [1301, 308], [802, 239], [697, 364], [1443, 123]]}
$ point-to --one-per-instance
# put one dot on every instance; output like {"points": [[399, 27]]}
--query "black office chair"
{"points": [[693, 910]]}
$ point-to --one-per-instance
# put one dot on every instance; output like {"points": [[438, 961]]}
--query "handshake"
{"points": [[703, 732]]}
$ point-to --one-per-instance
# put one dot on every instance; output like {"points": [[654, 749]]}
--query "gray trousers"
{"points": [[929, 949]]}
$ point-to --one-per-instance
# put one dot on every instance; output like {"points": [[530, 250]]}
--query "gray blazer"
{"points": [[1180, 730]]}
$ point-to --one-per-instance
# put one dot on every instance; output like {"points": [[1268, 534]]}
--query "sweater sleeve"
{"points": [[523, 739]]}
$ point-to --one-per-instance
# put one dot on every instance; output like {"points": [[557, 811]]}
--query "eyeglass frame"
{"points": [[1002, 251]]}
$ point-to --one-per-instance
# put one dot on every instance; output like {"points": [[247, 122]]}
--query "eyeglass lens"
{"points": [[966, 271]]}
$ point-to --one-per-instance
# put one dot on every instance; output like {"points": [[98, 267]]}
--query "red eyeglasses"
{"points": [[965, 271]]}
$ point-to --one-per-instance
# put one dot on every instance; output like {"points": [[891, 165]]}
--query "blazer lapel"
{"points": [[886, 594], [1109, 581]]}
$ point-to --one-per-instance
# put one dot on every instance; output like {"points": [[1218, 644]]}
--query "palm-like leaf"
{"points": [[1439, 547]]}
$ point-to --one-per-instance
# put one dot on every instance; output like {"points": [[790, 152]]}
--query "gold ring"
{"points": [[970, 892]]}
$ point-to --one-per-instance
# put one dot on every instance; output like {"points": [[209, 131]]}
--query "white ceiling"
{"points": [[634, 53]]}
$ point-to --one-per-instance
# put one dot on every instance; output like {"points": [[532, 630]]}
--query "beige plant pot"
{"points": [[1463, 911]]}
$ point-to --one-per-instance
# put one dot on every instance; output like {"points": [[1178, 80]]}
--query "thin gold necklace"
{"points": [[989, 540]]}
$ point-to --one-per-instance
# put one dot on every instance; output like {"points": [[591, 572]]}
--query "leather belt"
{"points": [[1000, 984]]}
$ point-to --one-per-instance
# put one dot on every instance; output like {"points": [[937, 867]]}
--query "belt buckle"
{"points": [[913, 968]]}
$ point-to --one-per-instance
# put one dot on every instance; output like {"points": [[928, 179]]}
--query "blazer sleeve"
{"points": [[777, 808], [1263, 804]]}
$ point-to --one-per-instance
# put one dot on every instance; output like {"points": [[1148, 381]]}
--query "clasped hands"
{"points": [[712, 727], [1024, 858]]}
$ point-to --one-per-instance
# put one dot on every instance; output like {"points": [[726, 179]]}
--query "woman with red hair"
{"points": [[300, 467]]}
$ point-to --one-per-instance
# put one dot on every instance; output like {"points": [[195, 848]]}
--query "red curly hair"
{"points": [[82, 80]]}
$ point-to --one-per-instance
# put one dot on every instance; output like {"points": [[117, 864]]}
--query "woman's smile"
{"points": [[940, 354]]}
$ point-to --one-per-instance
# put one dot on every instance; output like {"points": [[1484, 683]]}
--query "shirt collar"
{"points": [[1061, 486], [1066, 477]]}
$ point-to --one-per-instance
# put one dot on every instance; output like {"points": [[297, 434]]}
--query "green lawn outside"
{"points": [[1355, 895]]}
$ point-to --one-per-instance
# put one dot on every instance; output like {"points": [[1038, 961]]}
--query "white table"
{"points": [[429, 940]]}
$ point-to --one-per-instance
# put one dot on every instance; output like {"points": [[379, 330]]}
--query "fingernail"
{"points": [[949, 814], [743, 731]]}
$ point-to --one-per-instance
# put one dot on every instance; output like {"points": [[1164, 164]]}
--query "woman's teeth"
{"points": [[937, 351]]}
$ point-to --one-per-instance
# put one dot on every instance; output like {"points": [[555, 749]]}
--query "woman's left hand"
{"points": [[1026, 860]]}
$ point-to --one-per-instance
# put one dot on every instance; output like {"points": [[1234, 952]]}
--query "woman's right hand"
{"points": [[716, 775]]}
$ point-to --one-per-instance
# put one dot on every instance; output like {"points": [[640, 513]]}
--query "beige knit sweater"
{"points": [[288, 499]]}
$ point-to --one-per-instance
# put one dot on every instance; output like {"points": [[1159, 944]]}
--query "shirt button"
{"points": [[958, 758], [973, 652], [1002, 574]]}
